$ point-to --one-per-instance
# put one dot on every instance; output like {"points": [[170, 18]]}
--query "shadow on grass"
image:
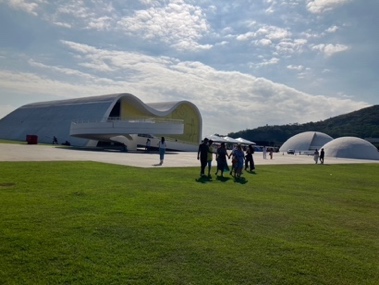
{"points": [[241, 180], [223, 178], [6, 185], [204, 179]]}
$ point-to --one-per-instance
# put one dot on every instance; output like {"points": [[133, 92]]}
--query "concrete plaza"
{"points": [[25, 152]]}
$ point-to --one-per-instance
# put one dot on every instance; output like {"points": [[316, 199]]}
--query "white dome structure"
{"points": [[306, 141], [351, 147]]}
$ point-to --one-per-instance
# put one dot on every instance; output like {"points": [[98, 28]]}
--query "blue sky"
{"points": [[245, 64]]}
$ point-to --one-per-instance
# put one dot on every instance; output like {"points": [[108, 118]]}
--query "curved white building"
{"points": [[101, 120], [306, 141], [351, 147]]}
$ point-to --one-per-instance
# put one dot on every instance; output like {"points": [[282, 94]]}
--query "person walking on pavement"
{"points": [[162, 149]]}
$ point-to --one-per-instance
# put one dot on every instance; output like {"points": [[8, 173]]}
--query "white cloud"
{"points": [[100, 24], [295, 67], [321, 6], [24, 6], [239, 96], [271, 61], [168, 79], [265, 33], [223, 43], [264, 42], [95, 15], [30, 83], [273, 32], [179, 24], [61, 24], [62, 71], [332, 29], [289, 46], [330, 49], [246, 36], [279, 39], [209, 38]]}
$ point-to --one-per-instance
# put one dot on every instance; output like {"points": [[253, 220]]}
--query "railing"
{"points": [[131, 126], [136, 120]]}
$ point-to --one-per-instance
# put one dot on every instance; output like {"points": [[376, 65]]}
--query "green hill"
{"points": [[363, 123]]}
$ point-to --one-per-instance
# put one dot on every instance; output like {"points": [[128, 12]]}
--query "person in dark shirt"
{"points": [[221, 157], [249, 158], [202, 155], [322, 155]]}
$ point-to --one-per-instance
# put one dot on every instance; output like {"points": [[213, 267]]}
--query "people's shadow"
{"points": [[240, 180], [204, 179], [223, 178]]}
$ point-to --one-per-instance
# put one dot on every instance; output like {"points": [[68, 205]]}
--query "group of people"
{"points": [[55, 141], [238, 155], [270, 152], [319, 156], [240, 158]]}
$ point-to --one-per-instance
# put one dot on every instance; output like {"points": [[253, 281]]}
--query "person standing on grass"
{"points": [[221, 155], [264, 152], [316, 156], [202, 155], [210, 156], [162, 149], [249, 160], [271, 152], [234, 161], [322, 155], [240, 158]]}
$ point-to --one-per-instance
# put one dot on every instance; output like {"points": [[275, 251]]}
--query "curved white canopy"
{"points": [[231, 140], [215, 138], [243, 141]]}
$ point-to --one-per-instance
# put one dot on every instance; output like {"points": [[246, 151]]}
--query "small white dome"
{"points": [[351, 147], [306, 141]]}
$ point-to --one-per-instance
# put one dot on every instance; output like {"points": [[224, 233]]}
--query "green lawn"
{"points": [[11, 142], [93, 223]]}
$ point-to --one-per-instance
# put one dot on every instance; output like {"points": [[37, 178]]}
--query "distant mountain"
{"points": [[363, 123]]}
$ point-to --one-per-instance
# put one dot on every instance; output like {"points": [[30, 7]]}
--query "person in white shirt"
{"points": [[315, 156], [264, 152]]}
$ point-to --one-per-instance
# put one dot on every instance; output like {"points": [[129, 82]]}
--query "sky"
{"points": [[244, 64]]}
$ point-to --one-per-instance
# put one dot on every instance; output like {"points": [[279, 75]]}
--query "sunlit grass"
{"points": [[93, 223]]}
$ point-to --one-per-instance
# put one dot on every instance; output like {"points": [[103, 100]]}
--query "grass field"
{"points": [[93, 223]]}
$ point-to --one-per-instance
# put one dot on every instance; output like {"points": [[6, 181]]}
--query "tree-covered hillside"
{"points": [[363, 123]]}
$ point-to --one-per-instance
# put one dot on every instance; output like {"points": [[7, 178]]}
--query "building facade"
{"points": [[106, 120]]}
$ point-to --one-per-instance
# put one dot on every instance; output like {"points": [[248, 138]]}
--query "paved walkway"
{"points": [[19, 152]]}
